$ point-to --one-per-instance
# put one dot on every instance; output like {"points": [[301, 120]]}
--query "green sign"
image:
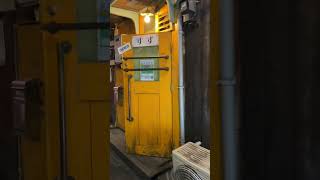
{"points": [[147, 75]]}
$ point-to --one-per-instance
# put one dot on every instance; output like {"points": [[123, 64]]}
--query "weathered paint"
{"points": [[120, 121], [87, 102], [150, 132]]}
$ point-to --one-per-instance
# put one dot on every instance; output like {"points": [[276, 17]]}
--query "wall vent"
{"points": [[163, 23]]}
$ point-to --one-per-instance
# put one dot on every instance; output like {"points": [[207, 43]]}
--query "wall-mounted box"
{"points": [[26, 102]]}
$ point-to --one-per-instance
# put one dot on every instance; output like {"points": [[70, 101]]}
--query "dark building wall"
{"points": [[197, 58], [307, 85], [279, 56], [8, 155]]}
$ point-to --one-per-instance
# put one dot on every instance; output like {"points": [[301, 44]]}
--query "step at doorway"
{"points": [[154, 168]]}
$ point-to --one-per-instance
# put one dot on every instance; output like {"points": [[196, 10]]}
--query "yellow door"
{"points": [[148, 96]]}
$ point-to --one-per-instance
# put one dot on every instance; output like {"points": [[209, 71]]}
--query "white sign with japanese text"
{"points": [[145, 40]]}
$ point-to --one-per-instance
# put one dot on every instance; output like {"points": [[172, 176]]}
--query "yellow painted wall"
{"points": [[145, 136], [175, 90], [141, 25], [88, 110], [65, 11], [146, 28], [123, 28], [174, 81], [88, 101], [174, 84]]}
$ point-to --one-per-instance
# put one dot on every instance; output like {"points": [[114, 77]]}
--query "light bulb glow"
{"points": [[147, 19]]}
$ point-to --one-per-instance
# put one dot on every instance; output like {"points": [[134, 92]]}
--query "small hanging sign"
{"points": [[145, 40], [124, 48]]}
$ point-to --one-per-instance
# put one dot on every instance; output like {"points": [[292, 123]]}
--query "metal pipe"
{"points": [[171, 8], [181, 81], [130, 118], [56, 27], [147, 57], [63, 48], [147, 69], [228, 90]]}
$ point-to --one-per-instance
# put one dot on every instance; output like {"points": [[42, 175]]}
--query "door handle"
{"points": [[63, 49], [130, 118]]}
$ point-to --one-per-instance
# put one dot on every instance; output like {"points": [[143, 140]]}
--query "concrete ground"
{"points": [[119, 170]]}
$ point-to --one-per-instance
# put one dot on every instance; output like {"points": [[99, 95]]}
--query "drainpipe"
{"points": [[172, 10], [181, 81], [228, 90], [173, 13]]}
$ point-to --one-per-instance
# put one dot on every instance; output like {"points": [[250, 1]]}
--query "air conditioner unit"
{"points": [[191, 162]]}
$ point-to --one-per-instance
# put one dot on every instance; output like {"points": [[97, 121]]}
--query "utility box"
{"points": [[188, 7], [27, 107]]}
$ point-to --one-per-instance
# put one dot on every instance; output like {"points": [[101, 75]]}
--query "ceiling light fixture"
{"points": [[147, 16], [147, 19]]}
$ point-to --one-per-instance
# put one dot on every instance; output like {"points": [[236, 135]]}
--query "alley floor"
{"points": [[119, 170]]}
